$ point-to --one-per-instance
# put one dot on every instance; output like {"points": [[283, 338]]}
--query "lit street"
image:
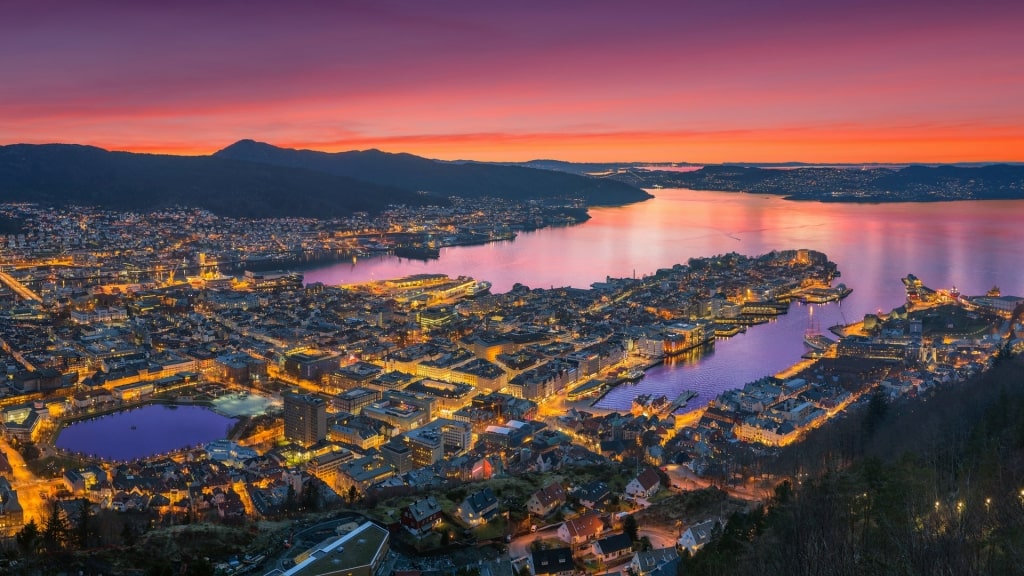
{"points": [[29, 486]]}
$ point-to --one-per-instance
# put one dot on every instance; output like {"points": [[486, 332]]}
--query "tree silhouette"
{"points": [[55, 533], [28, 538]]}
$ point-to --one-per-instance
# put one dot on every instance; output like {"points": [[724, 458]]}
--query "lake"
{"points": [[143, 432], [971, 245]]}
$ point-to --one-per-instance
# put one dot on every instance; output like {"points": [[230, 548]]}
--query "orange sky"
{"points": [[793, 80]]}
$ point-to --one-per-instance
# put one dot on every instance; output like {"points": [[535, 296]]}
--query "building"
{"points": [[593, 494], [612, 548], [546, 500], [11, 515], [421, 516], [552, 562], [305, 418], [697, 536], [645, 485], [354, 375], [478, 508], [326, 466], [427, 446], [361, 552], [311, 364], [398, 454], [651, 561], [581, 530], [354, 399]]}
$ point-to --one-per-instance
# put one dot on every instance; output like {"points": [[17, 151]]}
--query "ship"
{"points": [[417, 252], [478, 289], [210, 275], [813, 337], [824, 295], [818, 342]]}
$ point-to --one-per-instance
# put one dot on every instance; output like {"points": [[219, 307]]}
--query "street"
{"points": [[29, 486]]}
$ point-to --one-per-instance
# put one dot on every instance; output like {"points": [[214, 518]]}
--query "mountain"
{"points": [[830, 184], [63, 174], [440, 178]]}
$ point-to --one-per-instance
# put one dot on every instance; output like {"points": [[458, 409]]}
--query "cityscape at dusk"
{"points": [[545, 289]]}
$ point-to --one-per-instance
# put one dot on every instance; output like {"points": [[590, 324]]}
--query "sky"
{"points": [[685, 81]]}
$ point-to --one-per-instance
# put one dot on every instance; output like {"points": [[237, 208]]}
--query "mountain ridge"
{"points": [[413, 172], [254, 179]]}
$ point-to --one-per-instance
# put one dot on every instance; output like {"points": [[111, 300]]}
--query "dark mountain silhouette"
{"points": [[63, 174], [440, 178], [908, 184]]}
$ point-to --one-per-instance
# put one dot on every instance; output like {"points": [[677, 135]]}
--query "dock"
{"points": [[681, 400]]}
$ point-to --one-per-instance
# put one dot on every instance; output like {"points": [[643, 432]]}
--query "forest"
{"points": [[924, 486]]}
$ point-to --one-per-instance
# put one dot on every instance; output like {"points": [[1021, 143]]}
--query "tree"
{"points": [[84, 529], [311, 496], [353, 494], [199, 567], [630, 528], [56, 531], [289, 499], [128, 533], [28, 538]]}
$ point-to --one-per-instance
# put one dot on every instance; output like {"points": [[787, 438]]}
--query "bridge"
{"points": [[19, 288]]}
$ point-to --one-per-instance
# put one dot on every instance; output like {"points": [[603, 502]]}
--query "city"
{"points": [[463, 288], [396, 396]]}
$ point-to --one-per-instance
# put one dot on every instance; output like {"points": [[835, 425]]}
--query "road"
{"points": [[19, 288], [755, 491], [29, 486], [520, 546], [660, 537]]}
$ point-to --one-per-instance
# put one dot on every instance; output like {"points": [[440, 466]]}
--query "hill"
{"points": [[440, 178], [913, 487], [830, 184], [63, 174]]}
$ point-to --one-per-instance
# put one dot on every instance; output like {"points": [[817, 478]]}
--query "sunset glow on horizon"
{"points": [[848, 81]]}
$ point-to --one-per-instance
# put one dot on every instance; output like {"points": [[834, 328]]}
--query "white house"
{"points": [[697, 536], [645, 485]]}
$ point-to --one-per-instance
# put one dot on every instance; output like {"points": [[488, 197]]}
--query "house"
{"points": [[697, 536], [552, 562], [422, 515], [582, 529], [546, 500], [650, 561], [478, 508], [593, 494], [645, 485], [614, 547]]}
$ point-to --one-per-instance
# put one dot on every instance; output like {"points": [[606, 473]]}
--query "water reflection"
{"points": [[971, 245]]}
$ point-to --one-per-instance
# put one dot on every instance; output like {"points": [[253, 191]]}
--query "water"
{"points": [[970, 245], [143, 432]]}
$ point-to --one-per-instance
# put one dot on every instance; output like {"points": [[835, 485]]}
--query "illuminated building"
{"points": [[305, 418]]}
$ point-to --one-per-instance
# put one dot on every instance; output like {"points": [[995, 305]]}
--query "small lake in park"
{"points": [[143, 432]]}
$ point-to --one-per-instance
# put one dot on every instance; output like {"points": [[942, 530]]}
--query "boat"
{"points": [[818, 341], [813, 337], [417, 252], [635, 374], [477, 289]]}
